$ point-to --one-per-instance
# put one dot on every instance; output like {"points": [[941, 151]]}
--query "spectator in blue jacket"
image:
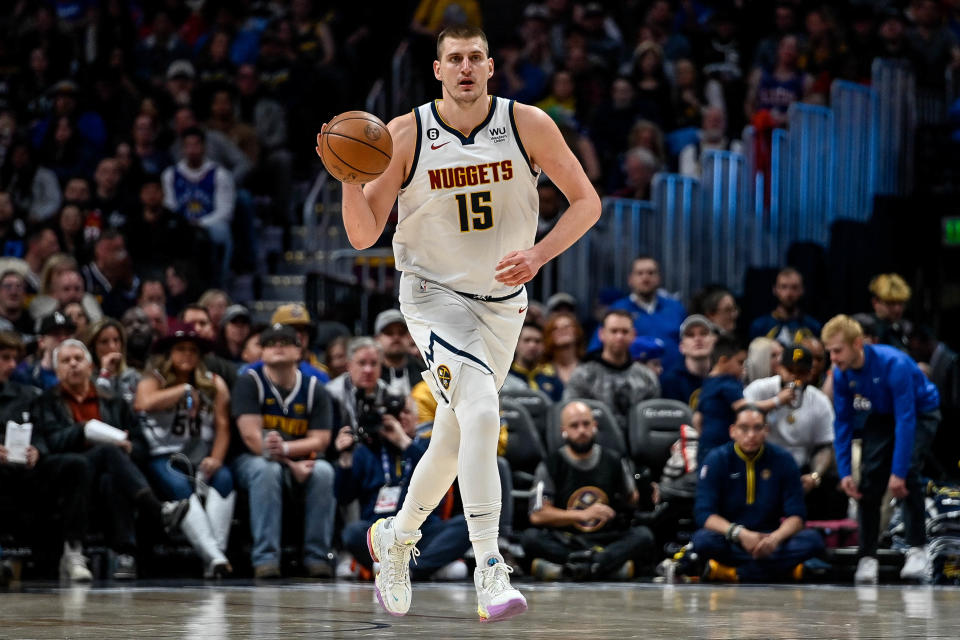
{"points": [[900, 410], [750, 508], [786, 324], [374, 467], [655, 314]]}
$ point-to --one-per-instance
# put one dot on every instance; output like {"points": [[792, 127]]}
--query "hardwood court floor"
{"points": [[592, 611]]}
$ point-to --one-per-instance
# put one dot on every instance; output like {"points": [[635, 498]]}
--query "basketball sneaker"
{"points": [[392, 581], [496, 598], [867, 570], [915, 567], [73, 566]]}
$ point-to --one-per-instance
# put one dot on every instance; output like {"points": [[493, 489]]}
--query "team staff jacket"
{"points": [[363, 480], [755, 492], [785, 331], [889, 383], [543, 377]]}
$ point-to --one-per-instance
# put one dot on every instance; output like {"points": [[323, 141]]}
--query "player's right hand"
{"points": [[850, 488]]}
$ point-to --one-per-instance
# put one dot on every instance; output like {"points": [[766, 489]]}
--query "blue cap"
{"points": [[646, 348]]}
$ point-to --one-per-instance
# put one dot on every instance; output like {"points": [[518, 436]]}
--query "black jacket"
{"points": [[54, 420]]}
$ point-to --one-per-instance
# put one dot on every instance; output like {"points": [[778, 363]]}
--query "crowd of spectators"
{"points": [[141, 146]]}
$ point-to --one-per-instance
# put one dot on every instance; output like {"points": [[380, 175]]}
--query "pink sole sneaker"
{"points": [[504, 611], [373, 555]]}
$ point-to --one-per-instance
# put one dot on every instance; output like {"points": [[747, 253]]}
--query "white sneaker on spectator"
{"points": [[124, 567], [916, 566], [73, 566], [868, 570], [456, 570]]}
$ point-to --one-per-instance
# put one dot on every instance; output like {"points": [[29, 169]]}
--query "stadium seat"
{"points": [[608, 431], [537, 404], [654, 426], [524, 447]]}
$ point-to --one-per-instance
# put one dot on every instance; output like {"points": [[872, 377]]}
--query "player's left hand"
{"points": [[518, 267], [897, 486]]}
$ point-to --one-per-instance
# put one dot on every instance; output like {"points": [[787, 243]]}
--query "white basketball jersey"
{"points": [[467, 202]]}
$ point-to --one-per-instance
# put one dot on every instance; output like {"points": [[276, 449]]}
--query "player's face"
{"points": [[843, 354], [749, 431], [463, 69]]}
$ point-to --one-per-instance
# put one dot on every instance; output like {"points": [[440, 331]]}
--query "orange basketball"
{"points": [[355, 147]]}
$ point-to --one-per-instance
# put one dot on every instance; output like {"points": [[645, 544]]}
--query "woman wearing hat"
{"points": [[185, 409], [107, 342]]}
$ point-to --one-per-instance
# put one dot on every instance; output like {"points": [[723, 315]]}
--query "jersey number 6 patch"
{"points": [[482, 218]]}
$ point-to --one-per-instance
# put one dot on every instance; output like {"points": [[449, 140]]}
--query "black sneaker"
{"points": [[172, 513]]}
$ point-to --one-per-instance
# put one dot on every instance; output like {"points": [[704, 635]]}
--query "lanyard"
{"points": [[384, 460]]}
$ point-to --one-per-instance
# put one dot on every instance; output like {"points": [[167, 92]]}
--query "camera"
{"points": [[370, 412]]}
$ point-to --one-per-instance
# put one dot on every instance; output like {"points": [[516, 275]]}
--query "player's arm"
{"points": [[366, 208], [548, 150]]}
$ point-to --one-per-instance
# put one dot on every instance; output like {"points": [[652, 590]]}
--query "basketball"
{"points": [[355, 147]]}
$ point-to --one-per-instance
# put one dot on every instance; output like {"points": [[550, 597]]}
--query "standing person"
{"points": [[900, 410], [465, 321]]}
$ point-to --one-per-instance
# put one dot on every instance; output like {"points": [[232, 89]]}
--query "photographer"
{"points": [[374, 467], [284, 418]]}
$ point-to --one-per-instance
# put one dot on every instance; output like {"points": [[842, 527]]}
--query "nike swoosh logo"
{"points": [[479, 515], [522, 309], [437, 146]]}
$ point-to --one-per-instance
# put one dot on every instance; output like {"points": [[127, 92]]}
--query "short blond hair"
{"points": [[890, 287], [844, 326]]}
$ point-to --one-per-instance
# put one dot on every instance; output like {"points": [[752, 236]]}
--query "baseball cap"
{"points": [[797, 356], [54, 322], [387, 318], [646, 348], [182, 332], [560, 299], [695, 320], [279, 333], [293, 314], [181, 68], [235, 312]]}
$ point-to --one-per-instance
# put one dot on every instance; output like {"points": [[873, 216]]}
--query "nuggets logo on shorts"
{"points": [[582, 498], [443, 375]]}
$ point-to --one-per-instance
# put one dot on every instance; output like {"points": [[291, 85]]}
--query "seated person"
{"points": [[44, 483], [63, 416], [374, 467], [528, 367], [284, 419], [804, 427], [749, 508], [185, 409], [786, 323], [683, 383], [722, 396], [38, 370], [612, 376], [581, 516]]}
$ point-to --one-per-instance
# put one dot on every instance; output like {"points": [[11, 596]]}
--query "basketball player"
{"points": [[465, 168]]}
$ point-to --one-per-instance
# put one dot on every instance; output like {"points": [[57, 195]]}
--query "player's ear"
{"points": [[436, 69], [490, 70]]}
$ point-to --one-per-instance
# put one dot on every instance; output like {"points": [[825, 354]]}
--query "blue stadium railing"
{"points": [[828, 164]]}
